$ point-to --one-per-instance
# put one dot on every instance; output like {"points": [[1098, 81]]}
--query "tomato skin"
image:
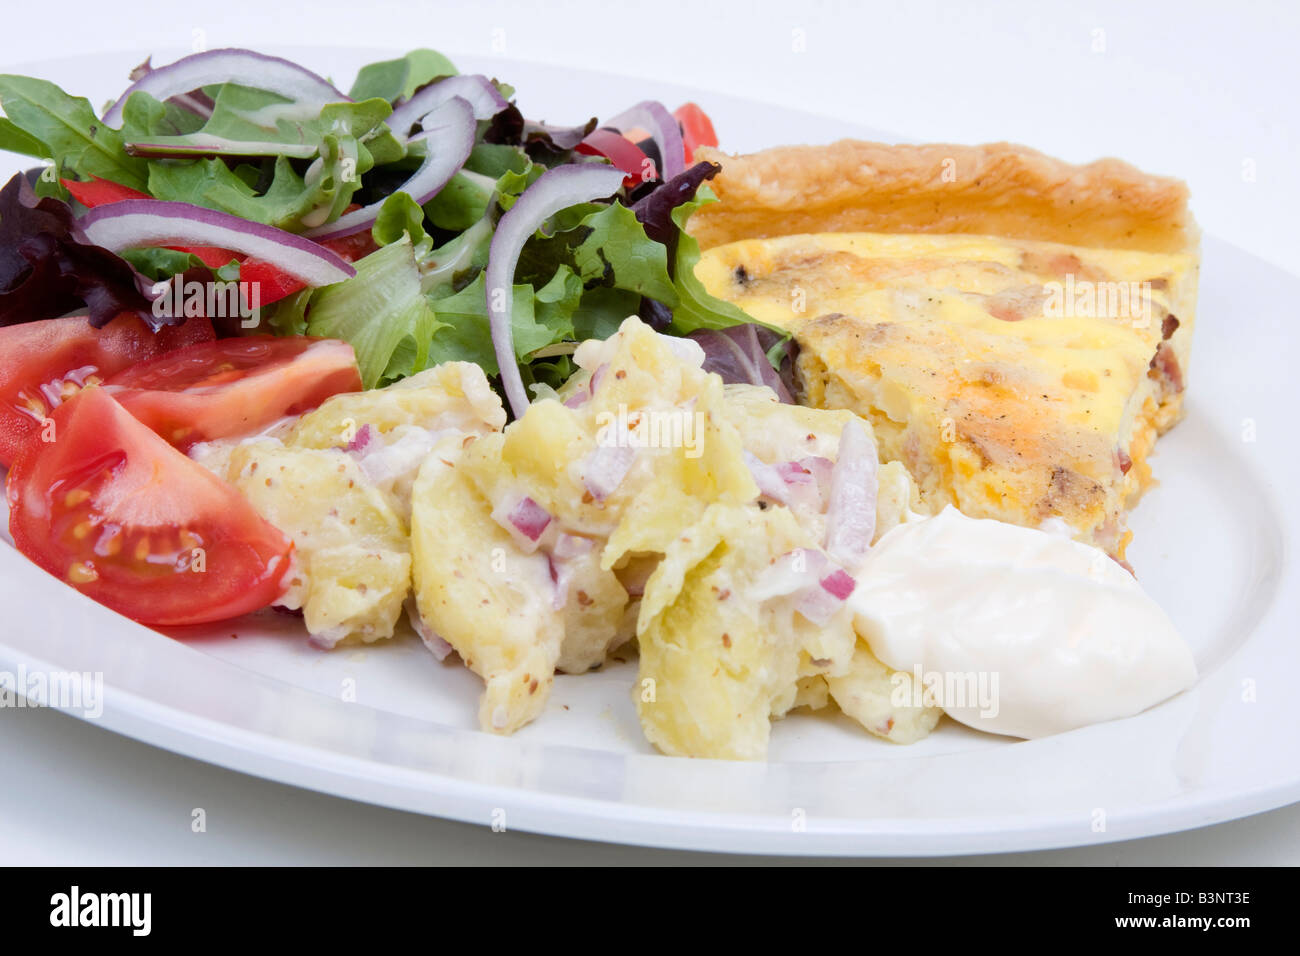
{"points": [[619, 150], [271, 283], [234, 387], [120, 515], [697, 129], [214, 257], [274, 284], [353, 247], [100, 192], [45, 361]]}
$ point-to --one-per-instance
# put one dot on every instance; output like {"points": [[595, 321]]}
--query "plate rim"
{"points": [[287, 761]]}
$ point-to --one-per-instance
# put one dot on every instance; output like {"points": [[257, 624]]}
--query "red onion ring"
{"points": [[137, 223], [450, 136], [554, 190], [477, 90], [851, 512], [243, 67], [654, 117]]}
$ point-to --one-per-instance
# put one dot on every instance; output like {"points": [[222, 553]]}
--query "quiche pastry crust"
{"points": [[999, 189]]}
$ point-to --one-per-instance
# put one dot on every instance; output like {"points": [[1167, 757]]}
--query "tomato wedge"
{"points": [[234, 386], [127, 520], [697, 129], [45, 362]]}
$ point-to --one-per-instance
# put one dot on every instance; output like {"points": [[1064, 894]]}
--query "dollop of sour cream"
{"points": [[1014, 630]]}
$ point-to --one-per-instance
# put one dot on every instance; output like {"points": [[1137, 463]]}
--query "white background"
{"points": [[1205, 91]]}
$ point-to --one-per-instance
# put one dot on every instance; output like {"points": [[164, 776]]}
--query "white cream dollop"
{"points": [[1026, 633]]}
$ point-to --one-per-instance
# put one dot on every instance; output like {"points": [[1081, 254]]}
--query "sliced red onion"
{"points": [[477, 90], [801, 487], [654, 117], [791, 573], [359, 441], [388, 464], [567, 548], [561, 575], [821, 469], [525, 519], [137, 223], [687, 350], [450, 136], [605, 468], [839, 584], [554, 190], [588, 391], [851, 512], [769, 479], [794, 473], [556, 139], [438, 647], [808, 481], [818, 603], [328, 639], [818, 586], [242, 67], [196, 101]]}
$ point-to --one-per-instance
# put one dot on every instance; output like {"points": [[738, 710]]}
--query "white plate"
{"points": [[1214, 544]]}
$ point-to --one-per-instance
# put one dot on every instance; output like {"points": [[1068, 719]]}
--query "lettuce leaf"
{"points": [[16, 140], [378, 310], [750, 354], [540, 317], [69, 130], [394, 80], [399, 216], [618, 254], [342, 142]]}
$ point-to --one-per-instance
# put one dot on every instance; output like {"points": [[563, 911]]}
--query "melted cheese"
{"points": [[1012, 377]]}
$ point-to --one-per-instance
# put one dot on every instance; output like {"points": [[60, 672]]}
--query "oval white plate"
{"points": [[389, 725]]}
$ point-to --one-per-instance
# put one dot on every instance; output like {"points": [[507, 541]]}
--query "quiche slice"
{"points": [[1016, 328]]}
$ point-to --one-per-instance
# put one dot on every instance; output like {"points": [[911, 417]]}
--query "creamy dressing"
{"points": [[1016, 631]]}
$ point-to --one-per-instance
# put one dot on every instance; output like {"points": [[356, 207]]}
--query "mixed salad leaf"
{"points": [[416, 200], [47, 268]]}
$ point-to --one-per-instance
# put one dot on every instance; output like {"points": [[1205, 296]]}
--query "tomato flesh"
{"points": [[697, 129], [114, 511], [45, 362], [100, 192], [619, 150], [273, 284], [234, 387]]}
